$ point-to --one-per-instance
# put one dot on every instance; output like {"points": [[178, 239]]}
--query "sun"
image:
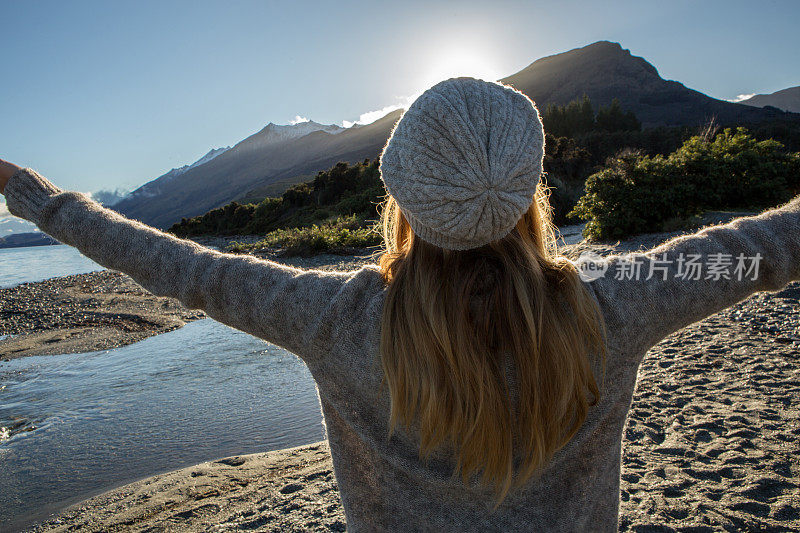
{"points": [[461, 60]]}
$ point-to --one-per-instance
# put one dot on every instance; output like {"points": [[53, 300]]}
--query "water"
{"points": [[35, 263], [107, 418]]}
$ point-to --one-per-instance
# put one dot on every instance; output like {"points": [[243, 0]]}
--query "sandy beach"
{"points": [[711, 443]]}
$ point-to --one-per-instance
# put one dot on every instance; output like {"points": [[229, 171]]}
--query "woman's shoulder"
{"points": [[360, 287]]}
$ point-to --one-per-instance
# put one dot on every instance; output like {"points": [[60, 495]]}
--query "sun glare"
{"points": [[461, 61]]}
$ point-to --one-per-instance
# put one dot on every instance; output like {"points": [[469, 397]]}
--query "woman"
{"points": [[471, 381]]}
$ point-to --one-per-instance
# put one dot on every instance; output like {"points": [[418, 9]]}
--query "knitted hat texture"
{"points": [[464, 161]]}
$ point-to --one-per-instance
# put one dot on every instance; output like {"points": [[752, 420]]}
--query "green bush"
{"points": [[636, 193], [735, 170], [342, 235]]}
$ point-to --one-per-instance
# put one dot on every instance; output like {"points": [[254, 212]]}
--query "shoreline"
{"points": [[292, 489], [105, 309]]}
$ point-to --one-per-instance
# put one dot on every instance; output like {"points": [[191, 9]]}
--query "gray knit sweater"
{"points": [[332, 321]]}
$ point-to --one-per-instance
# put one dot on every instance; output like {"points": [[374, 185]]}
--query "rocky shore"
{"points": [[83, 313], [104, 310], [712, 442]]}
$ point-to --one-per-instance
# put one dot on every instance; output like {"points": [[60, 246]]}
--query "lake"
{"points": [[35, 263], [107, 418]]}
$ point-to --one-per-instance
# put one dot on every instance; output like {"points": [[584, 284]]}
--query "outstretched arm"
{"points": [[287, 306], [648, 295]]}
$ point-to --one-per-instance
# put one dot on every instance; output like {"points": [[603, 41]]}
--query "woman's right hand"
{"points": [[6, 171]]}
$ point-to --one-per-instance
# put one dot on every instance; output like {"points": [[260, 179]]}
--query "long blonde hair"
{"points": [[448, 318]]}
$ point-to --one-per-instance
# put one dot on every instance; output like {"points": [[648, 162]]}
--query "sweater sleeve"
{"points": [[290, 307], [645, 296]]}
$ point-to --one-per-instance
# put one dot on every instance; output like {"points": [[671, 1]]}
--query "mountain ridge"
{"points": [[786, 99], [604, 70], [268, 162], [250, 166]]}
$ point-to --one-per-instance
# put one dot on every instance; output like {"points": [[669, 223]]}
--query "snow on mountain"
{"points": [[274, 133], [277, 132], [214, 152]]}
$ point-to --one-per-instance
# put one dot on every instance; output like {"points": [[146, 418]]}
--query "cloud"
{"points": [[4, 210], [741, 97], [371, 116], [298, 120]]}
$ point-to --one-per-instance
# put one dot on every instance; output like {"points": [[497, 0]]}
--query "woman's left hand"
{"points": [[6, 171]]}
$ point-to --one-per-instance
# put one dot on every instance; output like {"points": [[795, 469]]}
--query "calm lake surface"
{"points": [[35, 263], [103, 419]]}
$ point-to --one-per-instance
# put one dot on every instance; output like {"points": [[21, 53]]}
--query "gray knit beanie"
{"points": [[464, 161]]}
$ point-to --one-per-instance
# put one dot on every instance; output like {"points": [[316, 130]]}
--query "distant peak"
{"points": [[606, 44], [301, 124], [607, 55], [609, 48]]}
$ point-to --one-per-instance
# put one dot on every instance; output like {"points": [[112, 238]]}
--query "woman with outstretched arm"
{"points": [[472, 381]]}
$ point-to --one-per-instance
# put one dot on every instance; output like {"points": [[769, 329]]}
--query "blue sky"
{"points": [[99, 95]]}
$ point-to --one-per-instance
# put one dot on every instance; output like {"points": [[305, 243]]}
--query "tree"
{"points": [[613, 118], [570, 120]]}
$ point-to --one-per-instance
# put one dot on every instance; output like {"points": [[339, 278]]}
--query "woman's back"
{"points": [[384, 484]]}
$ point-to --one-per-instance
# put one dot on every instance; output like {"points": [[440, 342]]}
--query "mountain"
{"points": [[268, 162], [26, 239], [154, 188], [265, 163], [273, 133], [786, 99], [604, 71]]}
